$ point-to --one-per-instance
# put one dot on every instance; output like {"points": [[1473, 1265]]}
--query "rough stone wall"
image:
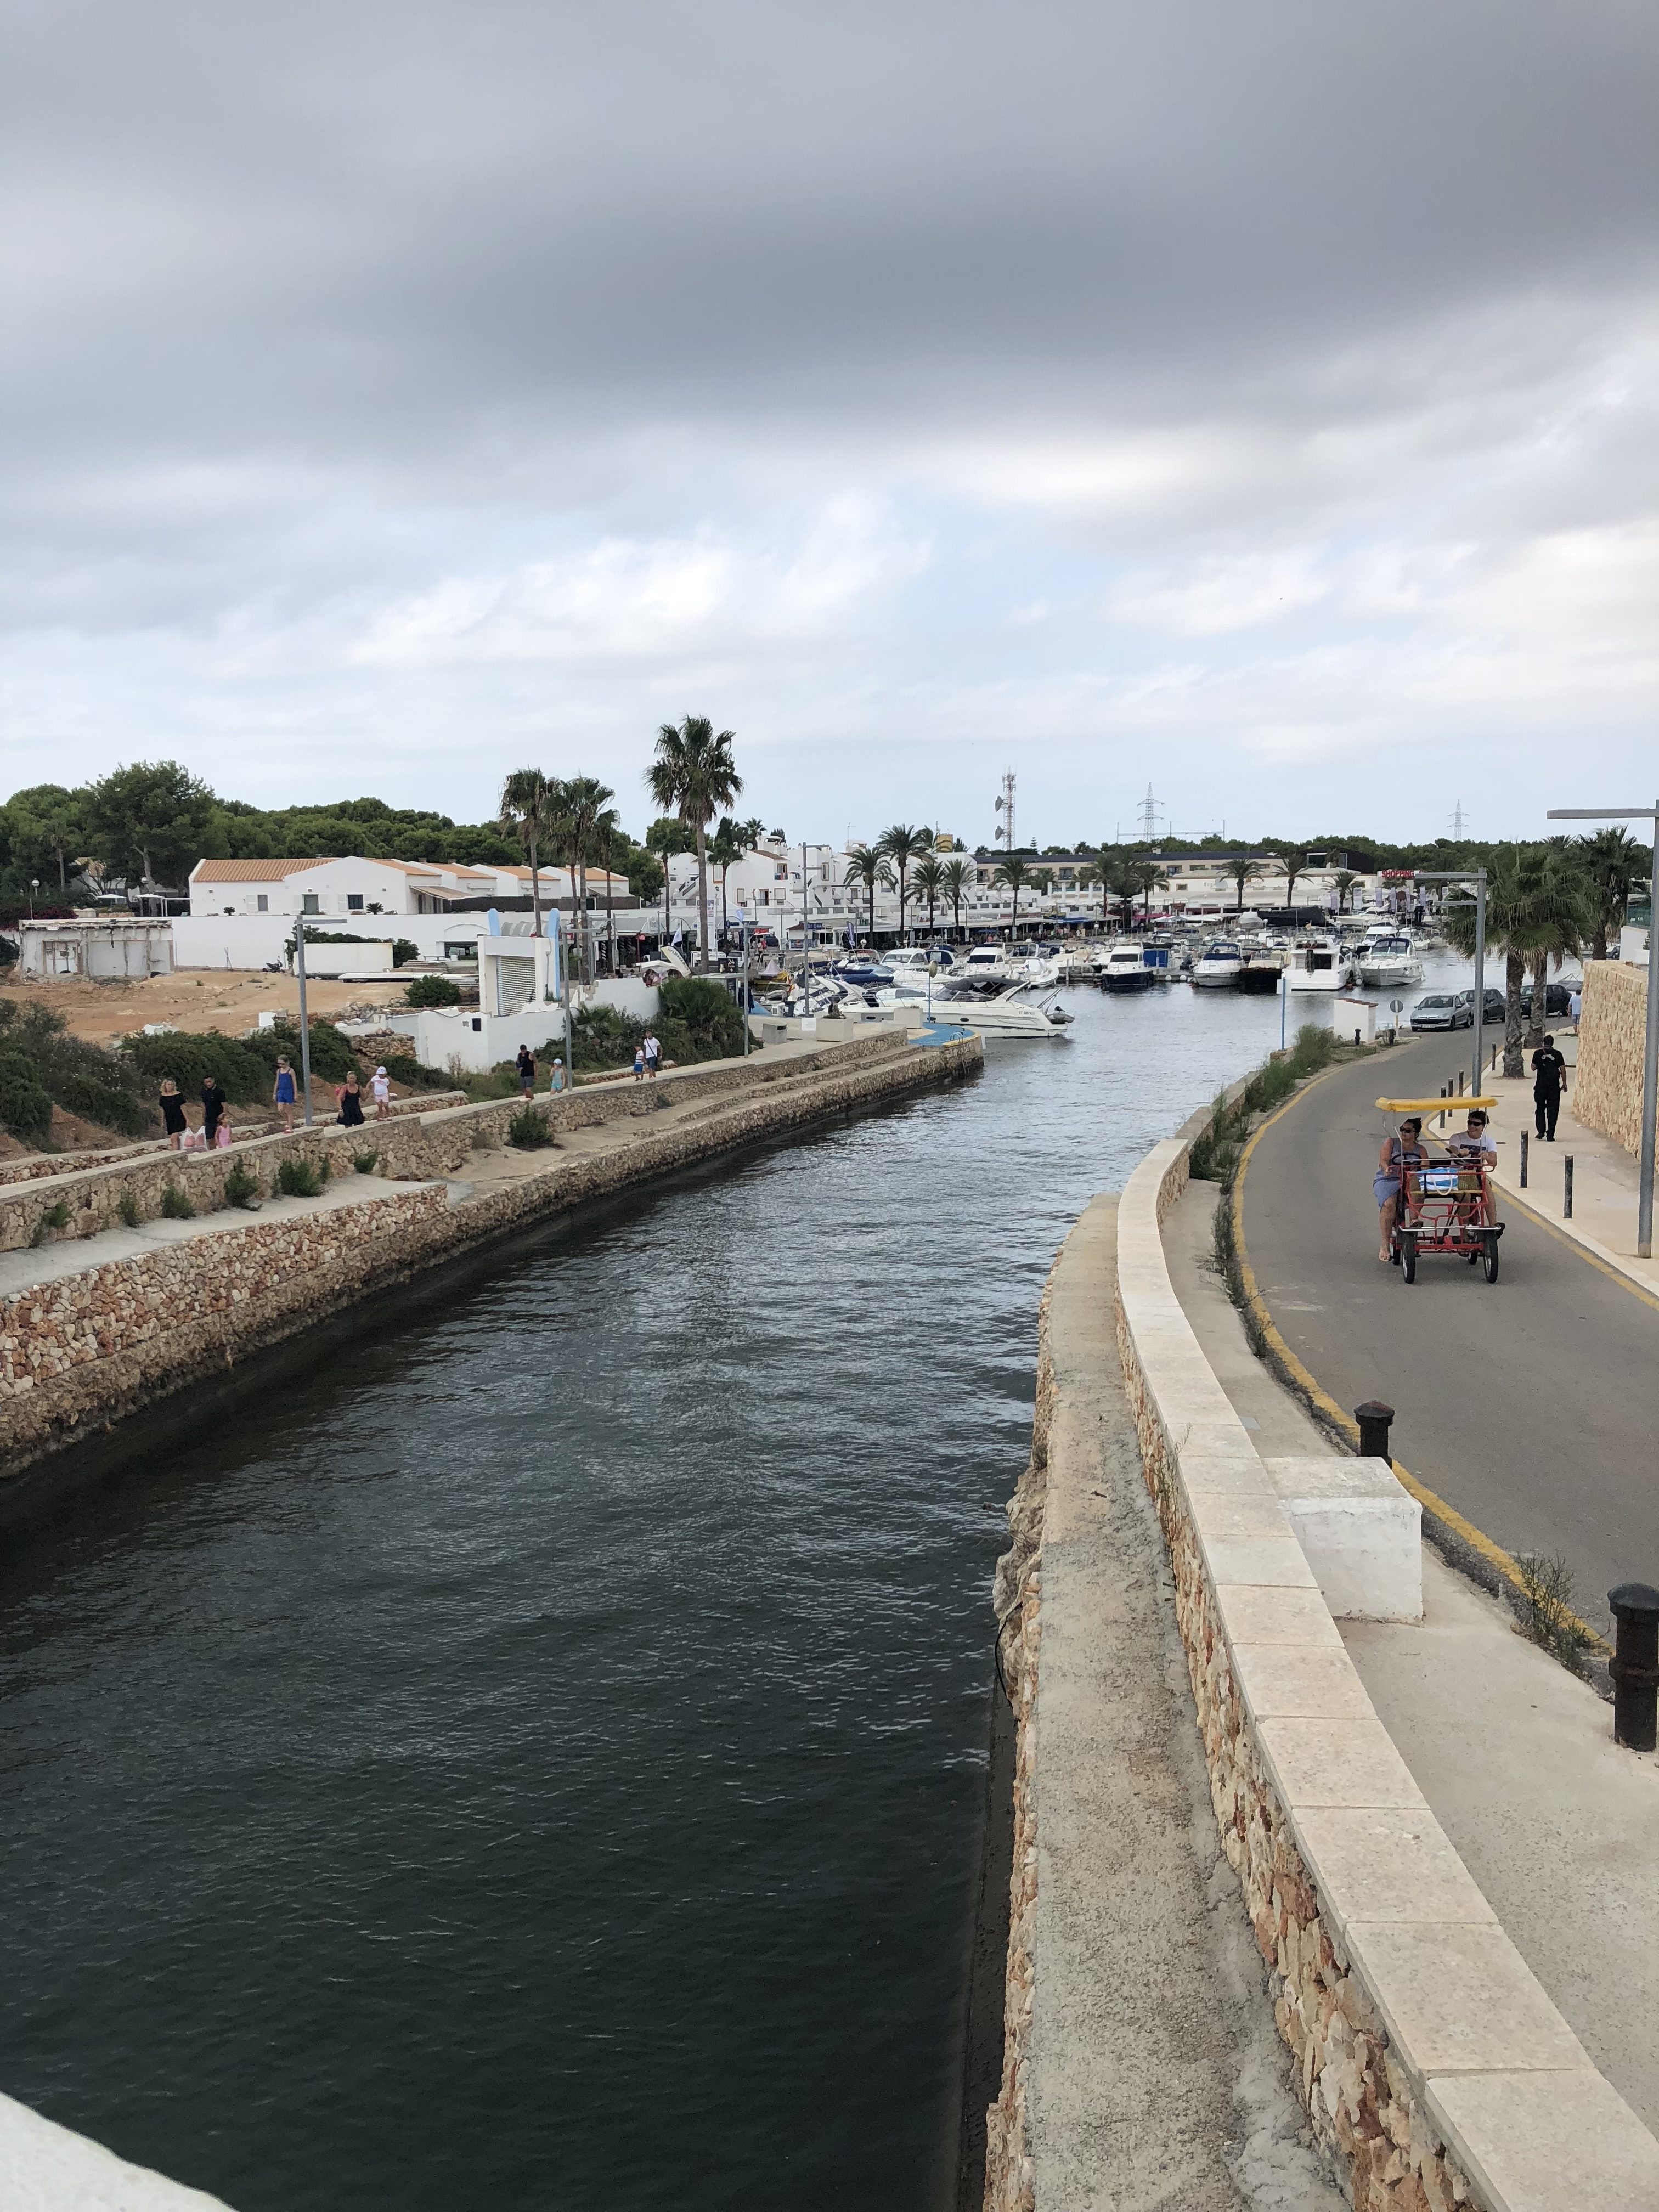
{"points": [[424, 1141], [1607, 1092], [1017, 1598], [1359, 2100], [70, 1365]]}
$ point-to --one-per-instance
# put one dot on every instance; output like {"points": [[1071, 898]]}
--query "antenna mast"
{"points": [[1150, 811], [1004, 831], [1460, 821]]}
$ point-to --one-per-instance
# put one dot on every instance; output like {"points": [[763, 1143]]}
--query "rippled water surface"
{"points": [[528, 1748]]}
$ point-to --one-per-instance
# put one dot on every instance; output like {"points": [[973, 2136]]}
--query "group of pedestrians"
{"points": [[527, 1065], [215, 1127], [647, 1056]]}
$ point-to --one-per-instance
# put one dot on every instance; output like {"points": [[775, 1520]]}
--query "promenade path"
{"points": [[1529, 1404]]}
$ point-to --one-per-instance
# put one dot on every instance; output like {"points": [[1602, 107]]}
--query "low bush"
{"points": [[241, 1189], [600, 1036], [364, 1162], [55, 1216], [299, 1179], [41, 1065], [433, 991], [700, 1019], [175, 1204], [128, 1207], [25, 1102], [528, 1131], [189, 1057], [1547, 1605], [332, 1056]]}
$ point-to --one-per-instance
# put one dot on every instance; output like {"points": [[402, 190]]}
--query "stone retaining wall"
{"points": [[1607, 1090], [422, 1142], [90, 1347], [1434, 2069]]}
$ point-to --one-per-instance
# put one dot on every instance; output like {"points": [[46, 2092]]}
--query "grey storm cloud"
{"points": [[313, 307]]}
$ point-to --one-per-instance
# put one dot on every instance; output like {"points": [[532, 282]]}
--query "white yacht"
{"points": [[1219, 966], [998, 1009], [1321, 965], [1389, 956], [1121, 968]]}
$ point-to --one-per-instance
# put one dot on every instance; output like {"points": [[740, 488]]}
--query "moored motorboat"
{"points": [[995, 1009], [1389, 956], [1219, 966], [1121, 968], [1321, 966]]}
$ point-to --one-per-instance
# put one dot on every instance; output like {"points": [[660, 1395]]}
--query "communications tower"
{"points": [[1004, 831], [1150, 811]]}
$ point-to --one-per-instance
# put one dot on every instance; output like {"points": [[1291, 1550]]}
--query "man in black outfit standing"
{"points": [[1548, 1073]]}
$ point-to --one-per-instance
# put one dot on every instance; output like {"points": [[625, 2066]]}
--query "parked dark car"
{"points": [[1558, 998]]}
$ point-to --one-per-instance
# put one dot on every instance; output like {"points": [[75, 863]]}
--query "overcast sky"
{"points": [[1255, 401]]}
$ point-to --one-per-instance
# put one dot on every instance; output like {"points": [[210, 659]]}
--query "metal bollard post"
{"points": [[1523, 1160], [1634, 1666], [1566, 1190], [1459, 1083], [1374, 1418]]}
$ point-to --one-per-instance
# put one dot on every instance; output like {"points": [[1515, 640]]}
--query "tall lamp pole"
{"points": [[1650, 1057], [1478, 877], [305, 1019]]}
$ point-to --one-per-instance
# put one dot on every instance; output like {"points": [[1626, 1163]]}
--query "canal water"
{"points": [[526, 1746]]}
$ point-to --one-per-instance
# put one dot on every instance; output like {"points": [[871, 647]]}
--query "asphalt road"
{"points": [[1531, 1404]]}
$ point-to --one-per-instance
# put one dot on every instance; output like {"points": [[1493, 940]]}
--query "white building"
{"points": [[108, 950]]}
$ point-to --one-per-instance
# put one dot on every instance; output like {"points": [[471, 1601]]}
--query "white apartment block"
{"points": [[355, 888]]}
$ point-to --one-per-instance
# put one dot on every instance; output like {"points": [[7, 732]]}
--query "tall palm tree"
{"points": [[867, 871], [1016, 874], [902, 844], [1147, 877], [1243, 870], [1535, 905], [1613, 864], [727, 844], [582, 800], [952, 881], [1295, 863], [529, 810], [606, 828], [930, 884], [1344, 879], [694, 775]]}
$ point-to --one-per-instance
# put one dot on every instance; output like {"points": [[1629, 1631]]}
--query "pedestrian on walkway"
{"points": [[527, 1071], [213, 1108], [380, 1089], [1576, 1005], [173, 1112], [349, 1098], [557, 1081], [282, 1094], [653, 1053], [639, 1062], [1549, 1070]]}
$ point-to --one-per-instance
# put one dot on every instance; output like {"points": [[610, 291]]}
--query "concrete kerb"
{"points": [[1427, 2048]]}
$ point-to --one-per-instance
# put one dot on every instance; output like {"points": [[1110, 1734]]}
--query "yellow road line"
{"points": [[1296, 1372]]}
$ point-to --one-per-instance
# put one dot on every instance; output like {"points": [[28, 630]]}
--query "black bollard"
{"points": [[1523, 1160], [1566, 1189], [1634, 1666], [1374, 1418]]}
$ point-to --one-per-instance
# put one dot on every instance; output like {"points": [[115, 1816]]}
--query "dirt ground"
{"points": [[200, 999]]}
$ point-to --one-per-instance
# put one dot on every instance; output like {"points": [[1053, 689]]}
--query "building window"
{"points": [[353, 901], [263, 903], [309, 903]]}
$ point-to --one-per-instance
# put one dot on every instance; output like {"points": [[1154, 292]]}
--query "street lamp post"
{"points": [[305, 1018], [1478, 877], [1650, 1058]]}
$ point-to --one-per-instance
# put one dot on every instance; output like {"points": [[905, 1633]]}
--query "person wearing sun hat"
{"points": [[379, 1090]]}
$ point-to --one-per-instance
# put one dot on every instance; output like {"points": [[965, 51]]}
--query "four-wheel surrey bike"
{"points": [[1445, 1209]]}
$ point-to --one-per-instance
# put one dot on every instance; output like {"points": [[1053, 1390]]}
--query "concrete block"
{"points": [[1253, 1614], [1299, 1681], [1376, 1863], [1578, 2142], [1337, 1762], [1462, 2000], [1362, 1532]]}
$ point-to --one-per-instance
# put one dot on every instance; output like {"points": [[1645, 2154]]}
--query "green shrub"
{"points": [[333, 1056], [175, 1203], [600, 1036], [364, 1162], [189, 1057], [241, 1189], [299, 1179], [402, 952], [38, 1055], [404, 1067], [700, 1019], [25, 1102], [128, 1207], [435, 991], [528, 1131]]}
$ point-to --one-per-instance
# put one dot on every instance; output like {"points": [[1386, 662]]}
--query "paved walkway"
{"points": [[1529, 1404], [1557, 1825]]}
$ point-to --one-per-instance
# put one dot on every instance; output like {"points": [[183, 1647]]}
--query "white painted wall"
{"points": [[254, 940]]}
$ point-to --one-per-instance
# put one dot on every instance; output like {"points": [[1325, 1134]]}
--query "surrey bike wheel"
{"points": [[1491, 1259], [1408, 1258]]}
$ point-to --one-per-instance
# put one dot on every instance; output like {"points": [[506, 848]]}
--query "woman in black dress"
{"points": [[351, 1101], [173, 1112]]}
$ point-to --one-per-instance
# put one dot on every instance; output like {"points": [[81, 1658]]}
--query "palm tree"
{"points": [[930, 884], [901, 845], [529, 812], [582, 800], [1016, 875], [752, 832], [727, 844], [1344, 879], [606, 828], [1613, 864], [694, 775], [1534, 905], [1243, 870], [1295, 863], [952, 881], [867, 871], [1147, 877]]}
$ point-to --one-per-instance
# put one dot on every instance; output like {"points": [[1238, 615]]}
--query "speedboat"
{"points": [[1219, 966], [998, 1009], [864, 971], [910, 963], [1120, 968], [1388, 957], [1321, 964]]}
